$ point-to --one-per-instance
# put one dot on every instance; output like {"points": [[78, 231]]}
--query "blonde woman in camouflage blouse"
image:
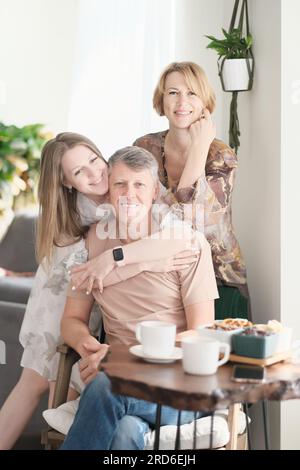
{"points": [[197, 169]]}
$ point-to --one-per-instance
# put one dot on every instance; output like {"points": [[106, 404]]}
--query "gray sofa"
{"points": [[17, 253]]}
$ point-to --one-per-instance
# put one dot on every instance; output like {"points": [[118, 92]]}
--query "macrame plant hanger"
{"points": [[234, 126]]}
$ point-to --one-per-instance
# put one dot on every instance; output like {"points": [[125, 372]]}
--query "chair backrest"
{"points": [[17, 249]]}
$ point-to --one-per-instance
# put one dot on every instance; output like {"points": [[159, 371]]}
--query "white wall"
{"points": [[39, 41], [257, 192], [121, 47], [256, 199], [36, 55], [290, 199], [128, 59], [267, 196], [194, 20]]}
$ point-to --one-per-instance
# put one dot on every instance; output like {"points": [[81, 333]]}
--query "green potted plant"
{"points": [[20, 149], [235, 59], [235, 63]]}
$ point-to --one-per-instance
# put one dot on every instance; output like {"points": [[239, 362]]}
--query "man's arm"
{"points": [[198, 291], [75, 320], [75, 331], [198, 314]]}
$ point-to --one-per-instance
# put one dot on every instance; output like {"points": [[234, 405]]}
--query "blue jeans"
{"points": [[108, 421]]}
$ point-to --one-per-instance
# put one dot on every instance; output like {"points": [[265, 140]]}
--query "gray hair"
{"points": [[136, 158]]}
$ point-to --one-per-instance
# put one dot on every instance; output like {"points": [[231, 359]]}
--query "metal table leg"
{"points": [[195, 431], [265, 418], [177, 441], [157, 427], [246, 411]]}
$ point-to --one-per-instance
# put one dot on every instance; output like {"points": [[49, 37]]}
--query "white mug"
{"points": [[156, 337], [201, 355]]}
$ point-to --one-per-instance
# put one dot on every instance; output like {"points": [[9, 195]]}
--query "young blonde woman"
{"points": [[73, 183], [198, 171]]}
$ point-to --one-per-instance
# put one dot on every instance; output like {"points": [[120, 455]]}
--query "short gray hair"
{"points": [[136, 158]]}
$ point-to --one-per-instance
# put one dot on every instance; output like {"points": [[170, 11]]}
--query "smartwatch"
{"points": [[118, 256]]}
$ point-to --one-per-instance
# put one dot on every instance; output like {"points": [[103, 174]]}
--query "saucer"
{"points": [[137, 350]]}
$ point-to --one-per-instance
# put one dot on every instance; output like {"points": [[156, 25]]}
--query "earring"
{"points": [[70, 189]]}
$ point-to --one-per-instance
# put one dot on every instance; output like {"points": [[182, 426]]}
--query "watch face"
{"points": [[118, 254]]}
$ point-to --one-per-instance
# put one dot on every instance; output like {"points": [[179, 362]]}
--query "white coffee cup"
{"points": [[201, 355], [156, 337]]}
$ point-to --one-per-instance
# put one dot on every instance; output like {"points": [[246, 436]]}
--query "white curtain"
{"points": [[121, 48]]}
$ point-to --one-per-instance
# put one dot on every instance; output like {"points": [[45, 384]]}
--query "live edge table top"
{"points": [[168, 384]]}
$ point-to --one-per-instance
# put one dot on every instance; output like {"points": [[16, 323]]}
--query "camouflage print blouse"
{"points": [[207, 203]]}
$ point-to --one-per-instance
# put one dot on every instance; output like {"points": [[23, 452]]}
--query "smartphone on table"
{"points": [[251, 374]]}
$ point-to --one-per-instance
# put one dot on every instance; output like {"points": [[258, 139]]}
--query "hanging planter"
{"points": [[235, 64], [237, 74]]}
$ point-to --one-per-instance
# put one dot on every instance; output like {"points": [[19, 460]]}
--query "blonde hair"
{"points": [[59, 222], [196, 80]]}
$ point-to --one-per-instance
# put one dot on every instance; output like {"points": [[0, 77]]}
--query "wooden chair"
{"points": [[52, 439]]}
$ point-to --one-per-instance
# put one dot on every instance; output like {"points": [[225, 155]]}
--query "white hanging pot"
{"points": [[235, 74]]}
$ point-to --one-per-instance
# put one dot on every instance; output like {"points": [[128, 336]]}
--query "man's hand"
{"points": [[92, 353]]}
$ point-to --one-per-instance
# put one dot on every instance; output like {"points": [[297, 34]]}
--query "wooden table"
{"points": [[168, 384]]}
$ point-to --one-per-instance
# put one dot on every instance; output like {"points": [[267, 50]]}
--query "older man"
{"points": [[185, 298]]}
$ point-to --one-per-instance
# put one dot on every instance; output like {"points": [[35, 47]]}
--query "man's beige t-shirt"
{"points": [[150, 295]]}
